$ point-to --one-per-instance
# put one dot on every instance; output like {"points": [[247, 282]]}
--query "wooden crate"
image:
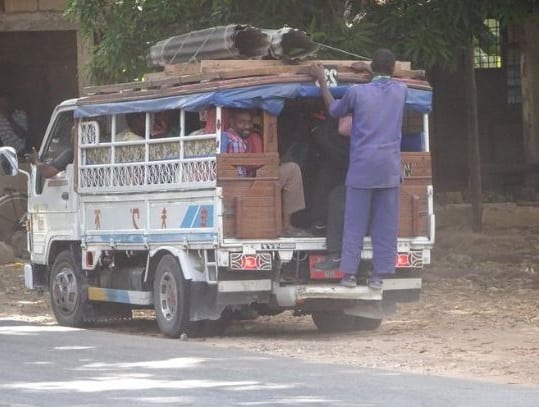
{"points": [[251, 205]]}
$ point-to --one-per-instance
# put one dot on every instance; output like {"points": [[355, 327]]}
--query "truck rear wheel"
{"points": [[366, 324], [171, 298], [333, 321], [68, 290]]}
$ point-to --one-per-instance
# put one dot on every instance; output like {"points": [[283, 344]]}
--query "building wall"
{"points": [[42, 58], [17, 6]]}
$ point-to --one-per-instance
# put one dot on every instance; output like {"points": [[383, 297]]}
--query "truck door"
{"points": [[52, 204]]}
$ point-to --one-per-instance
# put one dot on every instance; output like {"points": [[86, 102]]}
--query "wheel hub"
{"points": [[168, 296], [65, 290]]}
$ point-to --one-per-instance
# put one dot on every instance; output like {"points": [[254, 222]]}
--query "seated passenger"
{"points": [[135, 131], [333, 156], [136, 127], [204, 148], [234, 139], [290, 178], [166, 124]]}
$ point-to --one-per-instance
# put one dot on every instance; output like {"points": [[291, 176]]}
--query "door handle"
{"points": [[65, 196]]}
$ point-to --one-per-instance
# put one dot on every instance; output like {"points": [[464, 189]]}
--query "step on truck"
{"points": [[167, 222]]}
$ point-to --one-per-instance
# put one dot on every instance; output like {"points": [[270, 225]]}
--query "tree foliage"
{"points": [[427, 32]]}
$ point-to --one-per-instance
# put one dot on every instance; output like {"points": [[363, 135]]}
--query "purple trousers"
{"points": [[374, 211]]}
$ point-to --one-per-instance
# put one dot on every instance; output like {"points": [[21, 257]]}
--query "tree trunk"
{"points": [[530, 102], [474, 157]]}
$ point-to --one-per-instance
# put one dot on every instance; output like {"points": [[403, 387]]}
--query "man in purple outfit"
{"points": [[374, 173]]}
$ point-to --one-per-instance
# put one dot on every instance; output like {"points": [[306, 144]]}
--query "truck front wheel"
{"points": [[67, 290], [171, 297]]}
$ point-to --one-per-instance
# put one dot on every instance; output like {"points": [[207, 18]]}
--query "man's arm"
{"points": [[317, 72], [49, 170]]}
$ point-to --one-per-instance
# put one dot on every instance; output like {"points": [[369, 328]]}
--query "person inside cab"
{"points": [[58, 164]]}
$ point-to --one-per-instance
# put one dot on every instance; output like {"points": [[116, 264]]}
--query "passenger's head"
{"points": [[241, 121], [164, 122], [5, 101], [136, 123], [383, 62]]}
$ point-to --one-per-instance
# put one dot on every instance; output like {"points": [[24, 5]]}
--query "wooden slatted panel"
{"points": [[416, 168], [413, 211], [252, 205], [252, 209], [266, 165], [270, 133]]}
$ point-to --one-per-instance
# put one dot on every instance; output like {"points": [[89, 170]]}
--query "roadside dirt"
{"points": [[478, 316]]}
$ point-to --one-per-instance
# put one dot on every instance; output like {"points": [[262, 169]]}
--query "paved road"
{"points": [[56, 366]]}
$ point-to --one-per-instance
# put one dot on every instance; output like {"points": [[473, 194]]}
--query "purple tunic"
{"points": [[377, 108]]}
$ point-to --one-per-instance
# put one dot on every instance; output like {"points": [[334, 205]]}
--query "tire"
{"points": [[171, 298], [366, 324], [68, 293], [333, 321], [12, 208]]}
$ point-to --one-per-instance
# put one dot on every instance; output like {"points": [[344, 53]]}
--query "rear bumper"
{"points": [[293, 295]]}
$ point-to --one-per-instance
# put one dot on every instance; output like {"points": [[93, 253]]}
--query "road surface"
{"points": [[52, 365]]}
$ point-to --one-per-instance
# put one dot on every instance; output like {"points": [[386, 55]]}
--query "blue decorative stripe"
{"points": [[190, 216], [198, 216]]}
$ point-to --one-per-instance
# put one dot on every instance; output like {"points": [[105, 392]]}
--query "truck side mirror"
{"points": [[8, 161]]}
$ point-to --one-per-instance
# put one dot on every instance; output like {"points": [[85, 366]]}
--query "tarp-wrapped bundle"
{"points": [[290, 44], [222, 42], [232, 42]]}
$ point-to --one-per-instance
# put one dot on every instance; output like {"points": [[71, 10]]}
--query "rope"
{"points": [[342, 51]]}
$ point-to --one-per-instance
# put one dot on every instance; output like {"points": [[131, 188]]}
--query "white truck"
{"points": [[167, 223]]}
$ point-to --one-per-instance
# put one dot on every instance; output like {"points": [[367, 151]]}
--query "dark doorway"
{"points": [[39, 69]]}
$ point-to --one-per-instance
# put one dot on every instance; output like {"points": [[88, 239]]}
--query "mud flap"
{"points": [[203, 302]]}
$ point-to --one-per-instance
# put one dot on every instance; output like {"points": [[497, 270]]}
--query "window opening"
{"points": [[512, 68], [122, 152], [487, 48]]}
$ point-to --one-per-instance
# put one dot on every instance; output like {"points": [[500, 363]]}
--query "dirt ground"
{"points": [[478, 316]]}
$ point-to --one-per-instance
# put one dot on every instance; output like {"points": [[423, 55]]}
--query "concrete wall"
{"points": [[17, 6]]}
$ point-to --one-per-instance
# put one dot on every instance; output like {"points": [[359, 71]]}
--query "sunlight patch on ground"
{"points": [[32, 330], [122, 383], [73, 347], [175, 363], [160, 400], [291, 401]]}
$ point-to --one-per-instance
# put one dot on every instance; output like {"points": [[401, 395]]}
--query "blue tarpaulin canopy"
{"points": [[270, 98]]}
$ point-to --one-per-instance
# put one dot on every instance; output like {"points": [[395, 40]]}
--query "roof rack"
{"points": [[217, 74]]}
